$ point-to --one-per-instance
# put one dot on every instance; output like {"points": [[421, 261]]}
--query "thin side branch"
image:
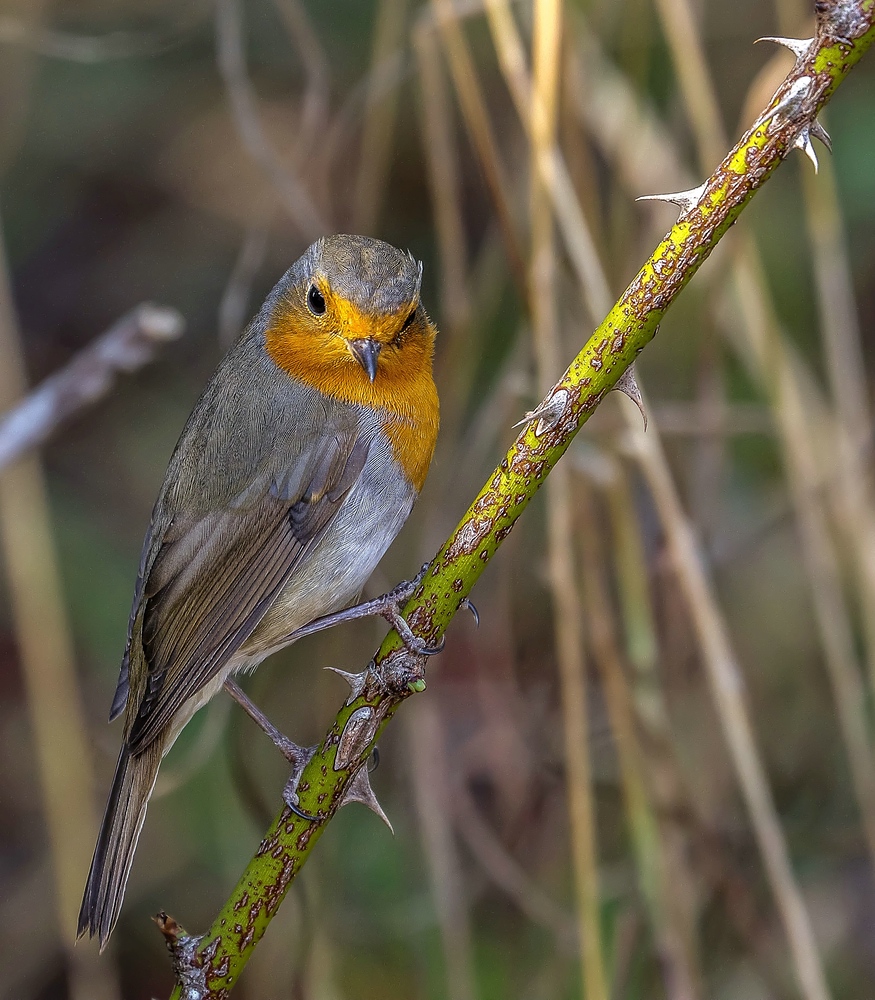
{"points": [[129, 344]]}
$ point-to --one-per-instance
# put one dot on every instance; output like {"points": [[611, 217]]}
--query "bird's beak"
{"points": [[366, 352]]}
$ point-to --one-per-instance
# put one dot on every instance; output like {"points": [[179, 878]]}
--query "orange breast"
{"points": [[403, 390]]}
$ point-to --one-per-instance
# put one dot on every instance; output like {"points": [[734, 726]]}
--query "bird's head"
{"points": [[347, 319]]}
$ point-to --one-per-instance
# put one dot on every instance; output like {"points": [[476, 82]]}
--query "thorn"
{"points": [[685, 200], [359, 790], [798, 46], [790, 103], [547, 413], [819, 132], [628, 385], [356, 682], [466, 603], [803, 142]]}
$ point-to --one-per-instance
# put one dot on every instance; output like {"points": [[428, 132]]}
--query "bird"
{"points": [[295, 471]]}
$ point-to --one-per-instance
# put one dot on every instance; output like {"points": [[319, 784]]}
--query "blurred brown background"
{"points": [[186, 153]]}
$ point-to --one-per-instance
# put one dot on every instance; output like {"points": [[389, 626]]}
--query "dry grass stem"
{"points": [[840, 329], [565, 595], [441, 157], [669, 794], [818, 550], [479, 127], [681, 27], [778, 370], [727, 688], [431, 787], [677, 962], [549, 162], [45, 647]]}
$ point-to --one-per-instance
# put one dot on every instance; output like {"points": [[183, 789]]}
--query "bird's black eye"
{"points": [[409, 320], [315, 301]]}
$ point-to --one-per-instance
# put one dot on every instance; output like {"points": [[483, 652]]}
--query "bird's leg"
{"points": [[389, 607], [297, 756]]}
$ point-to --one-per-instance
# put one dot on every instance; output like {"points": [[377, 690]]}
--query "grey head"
{"points": [[373, 275]]}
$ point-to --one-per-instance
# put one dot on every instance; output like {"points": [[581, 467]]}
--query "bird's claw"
{"points": [[290, 798], [405, 590], [299, 757], [412, 643]]}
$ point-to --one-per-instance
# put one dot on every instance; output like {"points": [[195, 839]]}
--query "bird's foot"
{"points": [[387, 606], [302, 758], [296, 755]]}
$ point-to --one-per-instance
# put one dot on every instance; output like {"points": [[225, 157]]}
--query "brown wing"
{"points": [[214, 577]]}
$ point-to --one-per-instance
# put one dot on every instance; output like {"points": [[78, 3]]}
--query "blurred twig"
{"points": [[506, 872], [234, 304], [377, 129], [667, 789], [90, 49], [244, 108], [314, 105], [130, 343]]}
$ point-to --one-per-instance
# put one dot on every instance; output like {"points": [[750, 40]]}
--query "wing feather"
{"points": [[214, 576]]}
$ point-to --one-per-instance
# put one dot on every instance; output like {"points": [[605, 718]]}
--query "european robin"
{"points": [[296, 470]]}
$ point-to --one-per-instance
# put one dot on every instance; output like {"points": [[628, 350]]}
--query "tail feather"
{"points": [[125, 811]]}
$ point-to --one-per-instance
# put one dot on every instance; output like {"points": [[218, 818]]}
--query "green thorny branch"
{"points": [[208, 967]]}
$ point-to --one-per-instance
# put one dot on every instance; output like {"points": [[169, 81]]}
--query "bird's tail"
{"points": [[125, 811]]}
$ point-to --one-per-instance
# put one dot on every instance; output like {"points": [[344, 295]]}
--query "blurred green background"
{"points": [[126, 175]]}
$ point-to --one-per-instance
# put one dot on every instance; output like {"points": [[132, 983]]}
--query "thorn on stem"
{"points": [[819, 132], [628, 385], [356, 682], [685, 200], [803, 142], [547, 413], [360, 790], [798, 46]]}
